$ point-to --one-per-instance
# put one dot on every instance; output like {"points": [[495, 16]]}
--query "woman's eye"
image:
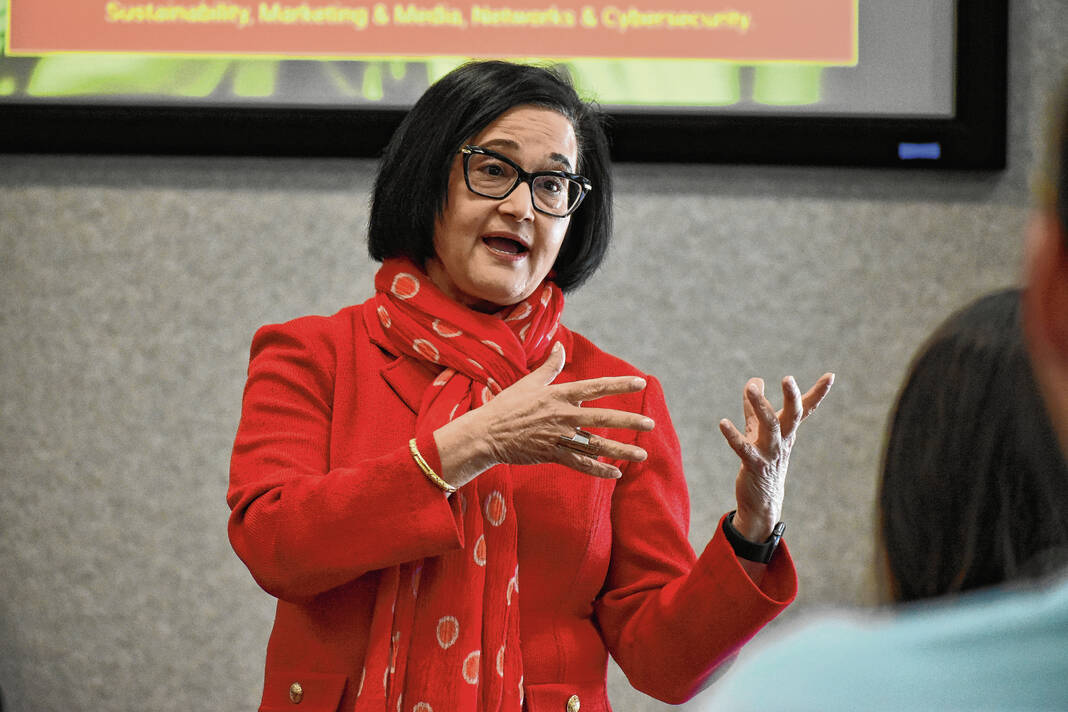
{"points": [[552, 185], [490, 169]]}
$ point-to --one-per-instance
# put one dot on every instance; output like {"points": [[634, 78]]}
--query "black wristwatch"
{"points": [[751, 551]]}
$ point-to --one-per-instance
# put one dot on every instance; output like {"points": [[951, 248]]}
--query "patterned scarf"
{"points": [[445, 631]]}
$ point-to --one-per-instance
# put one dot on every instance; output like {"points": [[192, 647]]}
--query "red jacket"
{"points": [[324, 494]]}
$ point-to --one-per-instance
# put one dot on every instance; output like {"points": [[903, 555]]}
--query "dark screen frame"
{"points": [[974, 138]]}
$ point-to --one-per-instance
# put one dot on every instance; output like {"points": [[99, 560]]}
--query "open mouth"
{"points": [[506, 245]]}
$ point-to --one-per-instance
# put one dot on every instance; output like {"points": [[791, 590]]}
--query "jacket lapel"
{"points": [[407, 377]]}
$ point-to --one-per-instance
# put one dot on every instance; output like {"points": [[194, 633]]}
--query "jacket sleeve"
{"points": [[300, 526], [670, 618]]}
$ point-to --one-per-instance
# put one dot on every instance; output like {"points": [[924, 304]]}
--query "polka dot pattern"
{"points": [[440, 614], [494, 345], [404, 286], [448, 631], [383, 317], [444, 330], [426, 349], [513, 587], [496, 510], [522, 312], [471, 667], [480, 550]]}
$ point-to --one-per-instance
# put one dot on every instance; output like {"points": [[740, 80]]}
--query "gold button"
{"points": [[573, 704], [296, 693]]}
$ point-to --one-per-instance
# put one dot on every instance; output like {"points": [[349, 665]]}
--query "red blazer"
{"points": [[324, 494]]}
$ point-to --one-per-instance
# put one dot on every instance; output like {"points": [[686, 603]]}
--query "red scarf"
{"points": [[445, 631]]}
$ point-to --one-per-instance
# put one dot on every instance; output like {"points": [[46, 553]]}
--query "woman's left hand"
{"points": [[765, 451]]}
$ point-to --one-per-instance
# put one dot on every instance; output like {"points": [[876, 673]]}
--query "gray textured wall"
{"points": [[130, 288]]}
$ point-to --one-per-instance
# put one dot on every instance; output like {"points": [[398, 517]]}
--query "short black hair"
{"points": [[974, 489], [413, 177]]}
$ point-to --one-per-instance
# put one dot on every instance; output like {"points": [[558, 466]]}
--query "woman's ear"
{"points": [[1046, 294], [1045, 314]]}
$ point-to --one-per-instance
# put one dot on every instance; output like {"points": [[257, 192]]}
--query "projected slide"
{"points": [[834, 57], [819, 31]]}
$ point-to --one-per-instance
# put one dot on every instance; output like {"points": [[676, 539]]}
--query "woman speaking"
{"points": [[460, 504]]}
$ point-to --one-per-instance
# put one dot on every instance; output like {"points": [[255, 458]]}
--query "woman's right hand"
{"points": [[522, 425]]}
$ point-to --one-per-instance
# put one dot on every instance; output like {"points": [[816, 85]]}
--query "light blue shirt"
{"points": [[1003, 650]]}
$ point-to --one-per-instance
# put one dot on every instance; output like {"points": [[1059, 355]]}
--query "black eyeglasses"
{"points": [[491, 175]]}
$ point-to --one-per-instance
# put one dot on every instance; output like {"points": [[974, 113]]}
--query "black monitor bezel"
{"points": [[973, 138]]}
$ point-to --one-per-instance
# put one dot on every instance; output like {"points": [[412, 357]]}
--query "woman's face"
{"points": [[492, 253]]}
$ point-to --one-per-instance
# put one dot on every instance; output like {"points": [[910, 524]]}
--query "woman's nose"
{"points": [[520, 203]]}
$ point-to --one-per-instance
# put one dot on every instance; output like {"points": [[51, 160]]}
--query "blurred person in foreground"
{"points": [[974, 519], [460, 504]]}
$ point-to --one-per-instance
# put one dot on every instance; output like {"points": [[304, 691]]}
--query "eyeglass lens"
{"points": [[493, 178]]}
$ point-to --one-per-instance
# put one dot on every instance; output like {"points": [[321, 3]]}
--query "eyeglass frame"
{"points": [[523, 176]]}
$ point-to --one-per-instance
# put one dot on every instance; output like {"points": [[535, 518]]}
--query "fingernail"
{"points": [[639, 382], [753, 388], [648, 424]]}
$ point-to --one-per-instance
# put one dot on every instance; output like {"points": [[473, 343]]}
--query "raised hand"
{"points": [[523, 425], [765, 451]]}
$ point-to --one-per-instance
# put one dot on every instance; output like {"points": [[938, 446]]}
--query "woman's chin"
{"points": [[493, 298]]}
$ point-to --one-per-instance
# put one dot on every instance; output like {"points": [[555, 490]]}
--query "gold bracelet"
{"points": [[430, 474]]}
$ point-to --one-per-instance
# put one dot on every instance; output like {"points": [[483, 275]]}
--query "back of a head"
{"points": [[974, 489]]}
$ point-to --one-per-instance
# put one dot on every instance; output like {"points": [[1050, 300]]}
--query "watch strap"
{"points": [[750, 550]]}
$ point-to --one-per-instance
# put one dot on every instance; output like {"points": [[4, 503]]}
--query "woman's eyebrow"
{"points": [[498, 143], [562, 159]]}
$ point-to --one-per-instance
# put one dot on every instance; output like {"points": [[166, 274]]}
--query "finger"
{"points": [[551, 367], [607, 448], [751, 420], [762, 406], [742, 447], [615, 450], [790, 416], [589, 465], [594, 388], [815, 395], [610, 418]]}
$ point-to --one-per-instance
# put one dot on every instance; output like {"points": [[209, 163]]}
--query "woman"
{"points": [[447, 522]]}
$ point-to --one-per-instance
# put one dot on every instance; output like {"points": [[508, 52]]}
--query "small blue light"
{"points": [[924, 151]]}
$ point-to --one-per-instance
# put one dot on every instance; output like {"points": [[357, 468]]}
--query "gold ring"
{"points": [[579, 442]]}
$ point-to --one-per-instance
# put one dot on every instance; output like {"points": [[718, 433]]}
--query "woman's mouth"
{"points": [[505, 245]]}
